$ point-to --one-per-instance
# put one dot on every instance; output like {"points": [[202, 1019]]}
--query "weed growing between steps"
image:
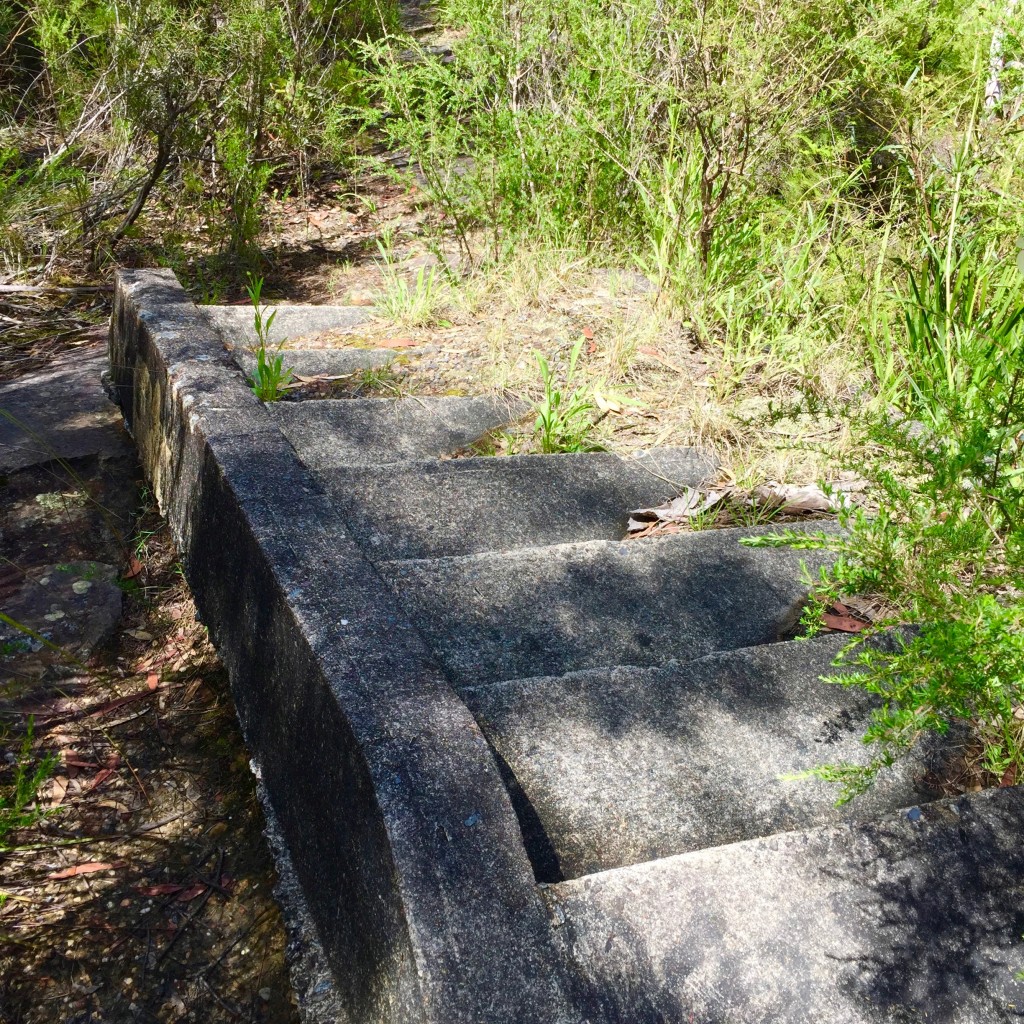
{"points": [[945, 550], [270, 378], [826, 200]]}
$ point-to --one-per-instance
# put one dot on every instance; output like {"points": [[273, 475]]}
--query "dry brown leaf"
{"points": [[397, 343], [83, 869]]}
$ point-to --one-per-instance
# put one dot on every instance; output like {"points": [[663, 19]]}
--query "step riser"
{"points": [[466, 506], [549, 611], [617, 767]]}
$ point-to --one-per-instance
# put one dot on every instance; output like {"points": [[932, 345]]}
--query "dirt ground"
{"points": [[144, 893]]}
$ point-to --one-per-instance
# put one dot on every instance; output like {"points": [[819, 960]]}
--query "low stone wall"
{"points": [[400, 830]]}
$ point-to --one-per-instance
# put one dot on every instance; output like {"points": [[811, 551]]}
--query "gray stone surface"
{"points": [[398, 824], [60, 412], [464, 506], [552, 610], [401, 833], [74, 606], [912, 919], [617, 766], [317, 362], [369, 431], [235, 324]]}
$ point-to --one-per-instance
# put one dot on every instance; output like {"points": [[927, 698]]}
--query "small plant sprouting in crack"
{"points": [[271, 377], [564, 422]]}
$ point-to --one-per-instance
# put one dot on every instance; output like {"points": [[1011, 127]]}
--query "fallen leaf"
{"points": [[152, 680], [134, 568], [397, 343], [58, 790], [844, 623], [607, 403], [192, 892], [82, 869], [793, 499], [139, 634], [99, 778], [113, 705], [160, 889], [684, 506], [588, 333], [653, 353], [1009, 777]]}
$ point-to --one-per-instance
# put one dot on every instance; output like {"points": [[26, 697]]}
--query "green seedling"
{"points": [[271, 377]]}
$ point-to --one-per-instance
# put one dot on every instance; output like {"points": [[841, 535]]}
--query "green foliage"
{"points": [[564, 422], [945, 549], [126, 94], [18, 808], [271, 378]]}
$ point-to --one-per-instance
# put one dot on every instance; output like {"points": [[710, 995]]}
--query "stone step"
{"points": [[371, 431], [316, 362], [463, 506], [616, 766], [552, 610], [916, 917], [235, 324]]}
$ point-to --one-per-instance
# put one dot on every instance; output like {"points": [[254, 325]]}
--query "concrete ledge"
{"points": [[912, 919], [399, 828]]}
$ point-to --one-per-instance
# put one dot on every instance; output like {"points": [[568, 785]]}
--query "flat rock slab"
{"points": [[370, 431], [61, 412], [618, 766], [464, 506], [74, 606], [915, 918], [552, 610], [320, 362], [236, 326]]}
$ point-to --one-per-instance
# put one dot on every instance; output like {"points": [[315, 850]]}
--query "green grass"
{"points": [[19, 808]]}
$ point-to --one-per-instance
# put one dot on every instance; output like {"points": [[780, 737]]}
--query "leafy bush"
{"points": [[945, 548]]}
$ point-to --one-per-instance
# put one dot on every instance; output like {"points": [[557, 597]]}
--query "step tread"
{"points": [[558, 609], [375, 431], [427, 509], [236, 325], [318, 362], [617, 766], [917, 917]]}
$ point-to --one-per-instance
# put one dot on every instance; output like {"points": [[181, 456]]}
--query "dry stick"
{"points": [[203, 900]]}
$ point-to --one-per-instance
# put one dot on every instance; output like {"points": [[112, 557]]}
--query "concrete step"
{"points": [[316, 362], [552, 610], [371, 431], [616, 766], [463, 506], [235, 324], [916, 917]]}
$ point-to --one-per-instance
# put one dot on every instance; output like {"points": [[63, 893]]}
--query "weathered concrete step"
{"points": [[616, 766], [235, 324], [914, 918], [316, 362], [371, 431], [552, 610], [463, 506]]}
